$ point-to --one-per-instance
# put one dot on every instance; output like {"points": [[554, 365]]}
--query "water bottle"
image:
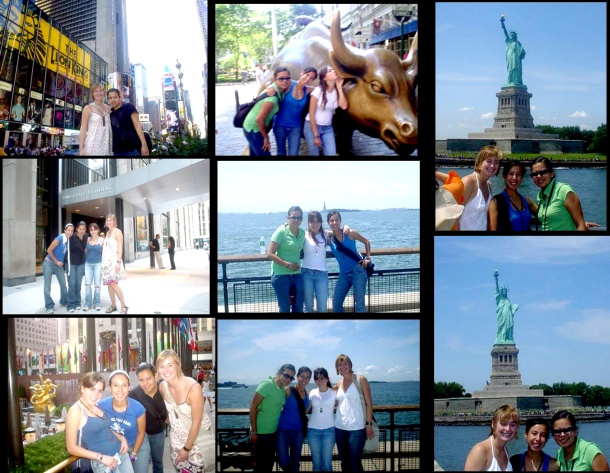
{"points": [[261, 245]]}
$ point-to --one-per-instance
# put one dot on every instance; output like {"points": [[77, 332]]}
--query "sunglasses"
{"points": [[567, 431], [287, 376], [544, 172], [283, 78], [295, 218]]}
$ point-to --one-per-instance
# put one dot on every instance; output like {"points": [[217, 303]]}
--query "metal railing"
{"points": [[388, 290], [398, 445]]}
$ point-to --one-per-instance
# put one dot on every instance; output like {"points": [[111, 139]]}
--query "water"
{"points": [[588, 184], [453, 443], [403, 392], [239, 234]]}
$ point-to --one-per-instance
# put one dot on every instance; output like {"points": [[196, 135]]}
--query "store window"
{"points": [[142, 232]]}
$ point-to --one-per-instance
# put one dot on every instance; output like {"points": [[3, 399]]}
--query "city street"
{"points": [[230, 141], [147, 291]]}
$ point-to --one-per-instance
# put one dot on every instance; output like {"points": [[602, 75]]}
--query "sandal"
{"points": [[111, 309], [124, 310]]}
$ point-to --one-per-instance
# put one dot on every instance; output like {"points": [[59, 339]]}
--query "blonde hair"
{"points": [[341, 359], [112, 216], [486, 152], [97, 85], [165, 354], [503, 414]]}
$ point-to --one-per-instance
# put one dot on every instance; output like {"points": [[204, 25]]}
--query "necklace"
{"points": [[322, 400], [534, 465], [85, 406]]}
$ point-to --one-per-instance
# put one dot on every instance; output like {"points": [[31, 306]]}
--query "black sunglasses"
{"points": [[287, 376], [568, 431], [283, 78], [544, 172]]}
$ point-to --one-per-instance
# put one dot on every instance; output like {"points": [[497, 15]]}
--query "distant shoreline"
{"points": [[486, 419], [402, 209]]}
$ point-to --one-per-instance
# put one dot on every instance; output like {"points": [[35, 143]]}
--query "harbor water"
{"points": [[588, 184], [395, 393], [453, 443]]}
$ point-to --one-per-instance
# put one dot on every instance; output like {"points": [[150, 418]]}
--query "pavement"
{"points": [[147, 291], [230, 141]]}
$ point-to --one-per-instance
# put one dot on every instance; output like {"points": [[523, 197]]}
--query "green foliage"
{"points": [[21, 390], [592, 396], [57, 411], [187, 145], [44, 454], [599, 142], [444, 390], [595, 142]]}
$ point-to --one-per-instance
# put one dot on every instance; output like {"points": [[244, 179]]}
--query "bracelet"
{"points": [[253, 432], [186, 449], [317, 136], [100, 457], [288, 265], [369, 423]]}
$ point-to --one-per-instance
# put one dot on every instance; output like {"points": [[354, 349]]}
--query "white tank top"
{"points": [[314, 256], [495, 466], [474, 216], [349, 411]]}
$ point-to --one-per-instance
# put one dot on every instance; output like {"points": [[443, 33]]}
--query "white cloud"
{"points": [[545, 307], [486, 116], [592, 326], [465, 109], [578, 114]]}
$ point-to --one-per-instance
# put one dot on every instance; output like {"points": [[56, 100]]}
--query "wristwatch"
{"points": [[186, 449], [368, 423]]}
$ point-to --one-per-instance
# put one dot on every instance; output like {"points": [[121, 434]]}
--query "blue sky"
{"points": [[249, 351], [564, 67], [562, 327], [258, 186]]}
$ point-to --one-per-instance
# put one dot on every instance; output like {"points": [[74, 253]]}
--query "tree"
{"points": [[599, 142], [444, 390], [548, 390]]}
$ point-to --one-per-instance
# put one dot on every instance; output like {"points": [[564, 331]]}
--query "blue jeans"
{"points": [[315, 281], [256, 141], [264, 452], [327, 135], [293, 135], [75, 280], [141, 464], [356, 277], [289, 445], [49, 268], [93, 274], [282, 284], [157, 444], [321, 443], [124, 467], [134, 152], [350, 444]]}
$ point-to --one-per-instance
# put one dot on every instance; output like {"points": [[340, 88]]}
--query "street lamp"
{"points": [[180, 76]]}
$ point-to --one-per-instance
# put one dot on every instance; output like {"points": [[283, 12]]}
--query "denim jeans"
{"points": [[293, 135], [49, 268], [327, 135], [124, 467], [321, 443], [133, 152], [93, 274], [157, 445], [350, 444], [357, 278], [264, 452], [256, 141], [315, 281], [282, 284], [141, 464], [75, 280], [289, 446]]}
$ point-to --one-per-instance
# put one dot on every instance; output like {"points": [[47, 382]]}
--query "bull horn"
{"points": [[410, 63], [346, 63]]}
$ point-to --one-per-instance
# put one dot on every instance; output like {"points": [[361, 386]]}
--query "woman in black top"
{"points": [[76, 266], [127, 135], [171, 246]]}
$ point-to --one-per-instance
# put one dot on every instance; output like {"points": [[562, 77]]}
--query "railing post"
{"points": [[225, 287], [392, 452]]}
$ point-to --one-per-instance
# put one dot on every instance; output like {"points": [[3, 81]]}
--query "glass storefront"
{"points": [[45, 77]]}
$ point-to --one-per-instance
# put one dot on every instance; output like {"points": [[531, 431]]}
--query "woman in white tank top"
{"points": [[491, 454]]}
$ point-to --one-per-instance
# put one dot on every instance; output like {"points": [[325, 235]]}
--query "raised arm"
{"points": [[504, 27]]}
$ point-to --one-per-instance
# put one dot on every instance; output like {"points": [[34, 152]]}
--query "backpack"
{"points": [[244, 109]]}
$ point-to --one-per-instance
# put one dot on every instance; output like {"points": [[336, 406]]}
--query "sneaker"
{"points": [[78, 308], [98, 308], [71, 310], [50, 311], [85, 308]]}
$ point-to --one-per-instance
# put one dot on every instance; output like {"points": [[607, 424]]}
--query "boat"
{"points": [[230, 384]]}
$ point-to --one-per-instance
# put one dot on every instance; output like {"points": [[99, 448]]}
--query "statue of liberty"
{"points": [[515, 53], [505, 312]]}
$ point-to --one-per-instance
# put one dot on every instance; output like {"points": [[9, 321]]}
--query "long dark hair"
{"points": [[331, 213], [312, 216], [323, 85], [322, 371]]}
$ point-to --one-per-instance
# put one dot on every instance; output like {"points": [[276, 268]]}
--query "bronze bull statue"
{"points": [[381, 88]]}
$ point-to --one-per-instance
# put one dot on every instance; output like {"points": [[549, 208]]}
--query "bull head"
{"points": [[381, 94]]}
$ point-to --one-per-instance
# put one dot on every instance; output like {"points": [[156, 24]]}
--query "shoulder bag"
{"points": [[370, 268], [195, 462], [244, 109], [301, 405], [371, 445]]}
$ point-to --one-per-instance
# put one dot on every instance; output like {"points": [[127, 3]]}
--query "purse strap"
{"points": [[362, 400], [345, 250], [301, 404], [186, 421]]}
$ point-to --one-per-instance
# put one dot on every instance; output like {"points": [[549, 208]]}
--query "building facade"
{"points": [[45, 77], [41, 195]]}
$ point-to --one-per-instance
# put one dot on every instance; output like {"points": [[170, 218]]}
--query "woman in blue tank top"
{"points": [[351, 272], [510, 211], [537, 432], [93, 267]]}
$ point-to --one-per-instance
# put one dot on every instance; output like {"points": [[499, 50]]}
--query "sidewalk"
{"points": [[208, 447], [147, 291]]}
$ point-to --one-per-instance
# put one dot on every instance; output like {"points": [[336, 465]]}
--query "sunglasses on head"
{"points": [[544, 172]]}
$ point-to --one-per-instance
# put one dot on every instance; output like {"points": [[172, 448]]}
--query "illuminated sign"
{"points": [[144, 117]]}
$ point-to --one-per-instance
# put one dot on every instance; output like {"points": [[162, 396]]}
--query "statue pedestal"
{"points": [[505, 379]]}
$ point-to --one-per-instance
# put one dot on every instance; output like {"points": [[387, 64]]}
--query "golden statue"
{"points": [[43, 396]]}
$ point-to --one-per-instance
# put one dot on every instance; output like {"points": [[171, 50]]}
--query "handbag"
{"points": [[370, 268], [121, 274], [82, 465], [371, 445], [301, 404], [244, 109], [195, 463]]}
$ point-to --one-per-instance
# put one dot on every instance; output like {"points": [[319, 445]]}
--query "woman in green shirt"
{"points": [[285, 253], [265, 409]]}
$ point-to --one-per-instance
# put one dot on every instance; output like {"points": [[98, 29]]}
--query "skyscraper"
{"points": [[100, 24]]}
